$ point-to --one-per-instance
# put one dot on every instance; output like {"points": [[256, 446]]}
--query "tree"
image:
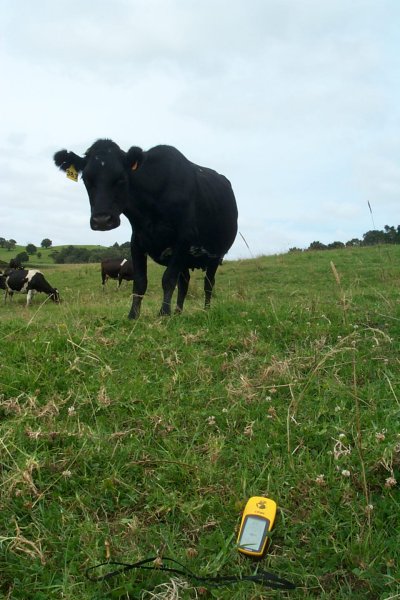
{"points": [[22, 257], [46, 243], [317, 246], [9, 244], [354, 242], [391, 234], [374, 236], [335, 245], [31, 248], [71, 254], [2, 242]]}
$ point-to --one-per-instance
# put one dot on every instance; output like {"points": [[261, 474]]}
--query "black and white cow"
{"points": [[182, 215], [110, 269], [27, 282]]}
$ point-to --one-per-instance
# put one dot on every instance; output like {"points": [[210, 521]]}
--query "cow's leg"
{"points": [[169, 281], [209, 281], [29, 297], [139, 260], [183, 285]]}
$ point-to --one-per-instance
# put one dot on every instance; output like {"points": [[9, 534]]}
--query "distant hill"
{"points": [[43, 256]]}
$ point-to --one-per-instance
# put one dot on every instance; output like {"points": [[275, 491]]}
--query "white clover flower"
{"points": [[71, 411], [211, 420], [320, 479], [346, 473]]}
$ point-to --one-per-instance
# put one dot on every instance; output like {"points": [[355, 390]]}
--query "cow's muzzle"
{"points": [[104, 222]]}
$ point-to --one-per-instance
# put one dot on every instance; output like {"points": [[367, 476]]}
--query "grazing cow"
{"points": [[182, 215], [110, 268], [125, 272], [27, 282]]}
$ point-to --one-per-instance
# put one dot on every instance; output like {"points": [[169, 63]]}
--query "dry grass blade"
{"points": [[21, 544], [335, 273], [170, 590]]}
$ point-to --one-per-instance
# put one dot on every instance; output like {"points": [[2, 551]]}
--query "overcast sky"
{"points": [[297, 102]]}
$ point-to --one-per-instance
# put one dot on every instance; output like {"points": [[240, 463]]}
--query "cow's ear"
{"points": [[134, 157], [65, 159]]}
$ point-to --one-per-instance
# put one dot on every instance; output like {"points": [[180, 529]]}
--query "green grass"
{"points": [[149, 437]]}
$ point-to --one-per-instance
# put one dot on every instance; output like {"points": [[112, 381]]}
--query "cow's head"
{"points": [[55, 296], [106, 172]]}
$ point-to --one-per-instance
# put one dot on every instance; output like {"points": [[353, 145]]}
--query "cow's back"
{"points": [[18, 279]]}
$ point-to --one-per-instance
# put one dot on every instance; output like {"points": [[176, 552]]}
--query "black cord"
{"points": [[262, 577]]}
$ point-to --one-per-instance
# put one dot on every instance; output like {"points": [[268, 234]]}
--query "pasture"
{"points": [[126, 439]]}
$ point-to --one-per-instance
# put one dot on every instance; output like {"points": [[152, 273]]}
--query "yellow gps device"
{"points": [[257, 521]]}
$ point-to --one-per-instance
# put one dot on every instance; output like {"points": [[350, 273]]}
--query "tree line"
{"points": [[67, 254], [79, 254], [388, 235]]}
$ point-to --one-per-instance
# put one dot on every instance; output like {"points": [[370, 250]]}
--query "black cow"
{"points": [[27, 282], [182, 215], [110, 269], [125, 272]]}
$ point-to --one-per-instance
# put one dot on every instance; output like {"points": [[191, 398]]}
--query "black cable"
{"points": [[262, 577]]}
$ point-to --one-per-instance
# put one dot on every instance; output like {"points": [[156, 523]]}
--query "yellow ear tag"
{"points": [[72, 173]]}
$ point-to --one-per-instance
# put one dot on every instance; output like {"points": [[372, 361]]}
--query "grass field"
{"points": [[124, 439]]}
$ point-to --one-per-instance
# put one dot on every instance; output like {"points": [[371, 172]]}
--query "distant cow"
{"points": [[110, 268], [125, 272], [182, 215], [27, 282]]}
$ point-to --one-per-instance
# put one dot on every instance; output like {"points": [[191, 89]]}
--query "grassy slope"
{"points": [[35, 260], [150, 436]]}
